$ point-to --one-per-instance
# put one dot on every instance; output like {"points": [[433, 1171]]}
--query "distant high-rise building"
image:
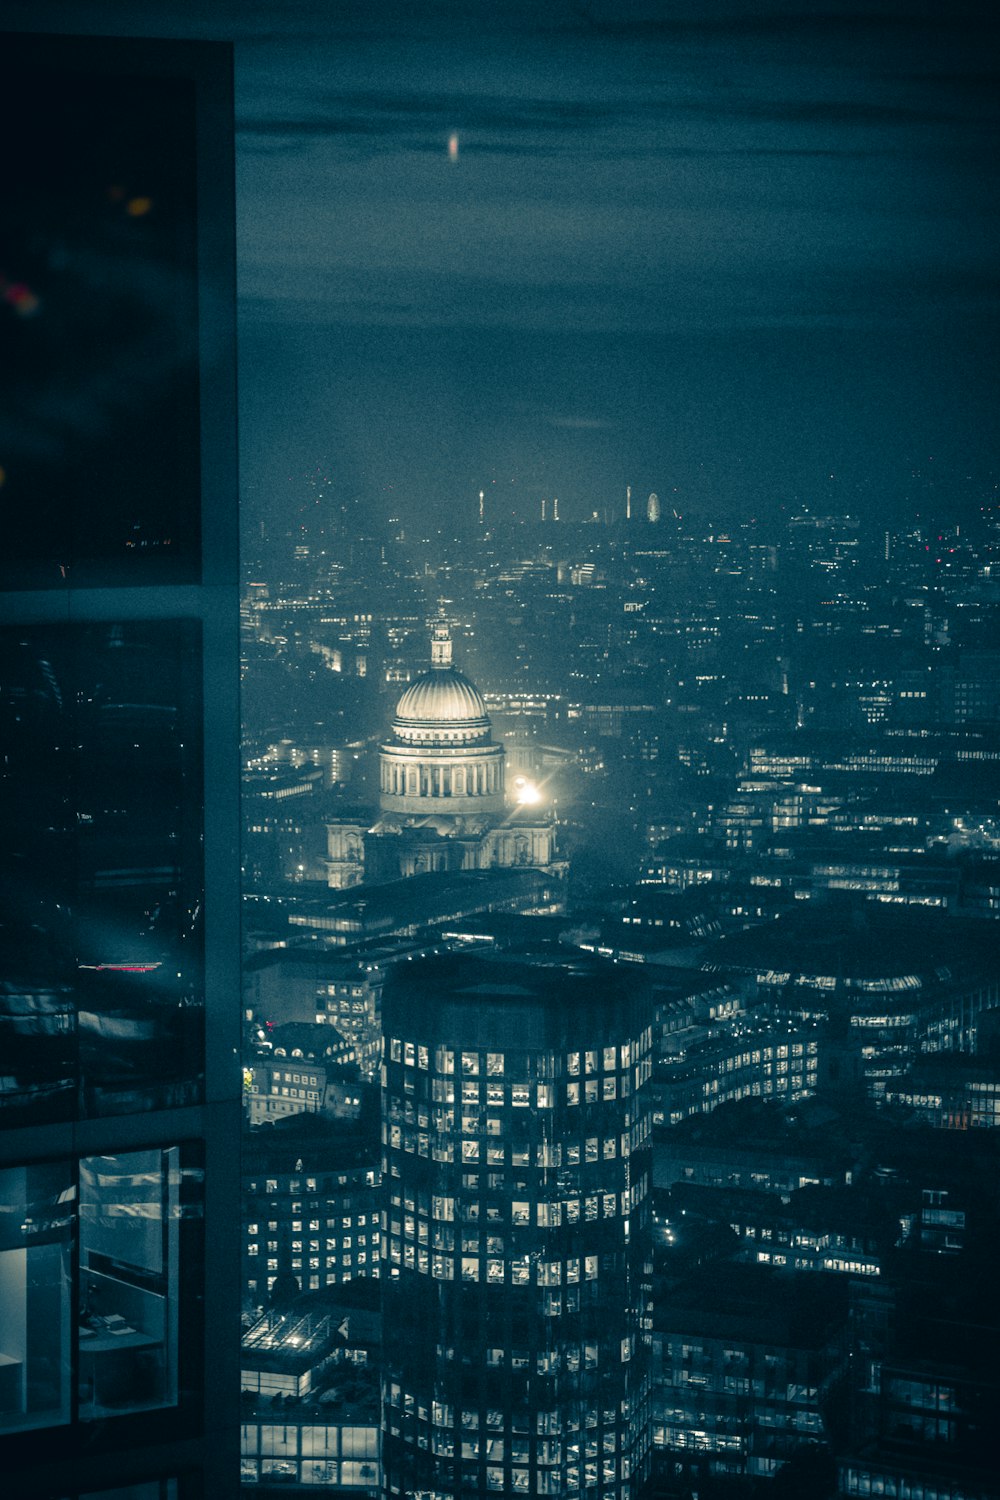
{"points": [[516, 1237], [653, 508]]}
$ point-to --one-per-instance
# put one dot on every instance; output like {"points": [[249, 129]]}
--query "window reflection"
{"points": [[99, 386], [36, 1233], [100, 874], [128, 1317], [152, 1489]]}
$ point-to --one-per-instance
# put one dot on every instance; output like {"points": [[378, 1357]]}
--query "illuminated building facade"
{"points": [[320, 1225], [442, 755], [317, 1363], [738, 1061], [743, 1365], [516, 1231], [443, 801]]}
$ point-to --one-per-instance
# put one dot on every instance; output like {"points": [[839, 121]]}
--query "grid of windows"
{"points": [[323, 1230], [515, 1245], [720, 1071]]}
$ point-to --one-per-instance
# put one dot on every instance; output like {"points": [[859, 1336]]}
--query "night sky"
{"points": [[744, 254]]}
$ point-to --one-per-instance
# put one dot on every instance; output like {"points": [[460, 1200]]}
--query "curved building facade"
{"points": [[516, 1249]]}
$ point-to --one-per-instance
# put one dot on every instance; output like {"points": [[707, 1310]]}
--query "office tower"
{"points": [[119, 922], [653, 508], [515, 1240]]}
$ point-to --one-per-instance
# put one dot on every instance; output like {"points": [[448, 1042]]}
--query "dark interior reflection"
{"points": [[98, 313], [100, 927], [153, 1489], [116, 1236]]}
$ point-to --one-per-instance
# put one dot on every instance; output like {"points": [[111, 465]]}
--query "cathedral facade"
{"points": [[443, 802]]}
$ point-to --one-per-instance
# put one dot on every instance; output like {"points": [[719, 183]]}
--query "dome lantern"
{"points": [[441, 647]]}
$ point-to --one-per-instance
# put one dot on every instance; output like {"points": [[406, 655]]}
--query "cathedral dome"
{"points": [[443, 696], [442, 707], [440, 758]]}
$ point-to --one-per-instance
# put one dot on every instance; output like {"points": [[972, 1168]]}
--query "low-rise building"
{"points": [[311, 1397], [749, 1146], [703, 1067], [950, 1091], [836, 1229], [743, 1362], [310, 1209], [302, 1069]]}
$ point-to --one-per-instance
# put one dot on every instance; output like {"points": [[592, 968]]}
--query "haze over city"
{"points": [[741, 255], [500, 706]]}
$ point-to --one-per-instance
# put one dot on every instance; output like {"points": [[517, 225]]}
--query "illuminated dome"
{"points": [[442, 699], [442, 707], [441, 758]]}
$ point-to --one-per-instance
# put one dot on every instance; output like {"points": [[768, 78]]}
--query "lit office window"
{"points": [[129, 1278], [37, 1214]]}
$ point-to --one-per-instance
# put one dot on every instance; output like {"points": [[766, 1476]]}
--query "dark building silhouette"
{"points": [[516, 1243], [119, 931]]}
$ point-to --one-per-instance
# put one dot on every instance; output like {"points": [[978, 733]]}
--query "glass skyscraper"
{"points": [[119, 871], [516, 1237]]}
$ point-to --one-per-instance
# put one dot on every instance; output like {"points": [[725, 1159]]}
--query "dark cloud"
{"points": [[753, 236], [833, 112], [371, 116], [974, 81], [743, 19], [387, 114]]}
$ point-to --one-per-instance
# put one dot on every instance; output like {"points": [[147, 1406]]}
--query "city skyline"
{"points": [[500, 896]]}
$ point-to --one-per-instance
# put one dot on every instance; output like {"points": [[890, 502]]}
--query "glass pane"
{"points": [[100, 869], [36, 1232], [129, 1279], [99, 388], [152, 1489], [37, 1000], [139, 869]]}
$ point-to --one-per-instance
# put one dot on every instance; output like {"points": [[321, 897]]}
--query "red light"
{"points": [[21, 298], [137, 968]]}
